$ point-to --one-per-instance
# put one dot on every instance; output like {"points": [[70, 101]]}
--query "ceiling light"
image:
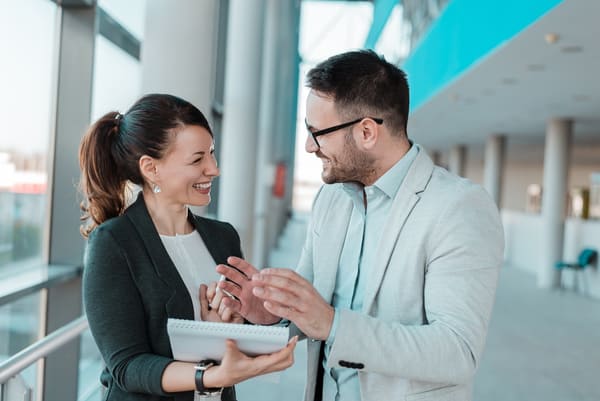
{"points": [[536, 67], [571, 49], [554, 106], [551, 38], [581, 98]]}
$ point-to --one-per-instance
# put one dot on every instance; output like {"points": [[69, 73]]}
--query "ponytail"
{"points": [[102, 184]]}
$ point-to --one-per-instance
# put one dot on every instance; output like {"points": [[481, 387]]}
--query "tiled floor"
{"points": [[542, 345]]}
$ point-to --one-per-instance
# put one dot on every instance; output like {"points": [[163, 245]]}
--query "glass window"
{"points": [[117, 79], [19, 328], [326, 28], [394, 41], [25, 111], [131, 14]]}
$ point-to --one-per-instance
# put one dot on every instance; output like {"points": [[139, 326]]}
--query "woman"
{"points": [[145, 263]]}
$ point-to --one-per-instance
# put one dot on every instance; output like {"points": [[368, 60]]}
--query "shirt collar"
{"points": [[389, 183]]}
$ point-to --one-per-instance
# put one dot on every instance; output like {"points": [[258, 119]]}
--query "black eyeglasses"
{"points": [[329, 130]]}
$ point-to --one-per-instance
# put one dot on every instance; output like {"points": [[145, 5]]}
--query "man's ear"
{"points": [[369, 134], [148, 168]]}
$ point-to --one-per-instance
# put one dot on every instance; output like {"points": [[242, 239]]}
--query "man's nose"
{"points": [[310, 145]]}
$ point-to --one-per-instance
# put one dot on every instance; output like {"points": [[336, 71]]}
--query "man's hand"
{"points": [[289, 295], [240, 286]]}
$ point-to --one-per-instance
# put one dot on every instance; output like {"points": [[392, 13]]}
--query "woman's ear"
{"points": [[148, 168]]}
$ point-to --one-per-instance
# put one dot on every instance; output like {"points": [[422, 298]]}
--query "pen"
{"points": [[223, 278]]}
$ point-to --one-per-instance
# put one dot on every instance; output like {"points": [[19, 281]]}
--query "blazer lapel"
{"points": [[180, 306], [407, 197], [331, 241]]}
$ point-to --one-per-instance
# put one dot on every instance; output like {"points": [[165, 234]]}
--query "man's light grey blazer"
{"points": [[428, 298]]}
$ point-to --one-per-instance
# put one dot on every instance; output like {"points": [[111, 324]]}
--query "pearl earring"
{"points": [[156, 189]]}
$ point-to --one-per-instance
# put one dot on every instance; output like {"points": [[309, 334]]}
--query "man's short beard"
{"points": [[359, 166]]}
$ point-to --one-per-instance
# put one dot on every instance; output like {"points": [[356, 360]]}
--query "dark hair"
{"points": [[110, 150], [364, 84]]}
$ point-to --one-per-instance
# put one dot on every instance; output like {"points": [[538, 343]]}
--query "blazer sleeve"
{"points": [[464, 254], [115, 313], [305, 266], [305, 269]]}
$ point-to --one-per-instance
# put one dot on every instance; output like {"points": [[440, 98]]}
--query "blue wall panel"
{"points": [[466, 32]]}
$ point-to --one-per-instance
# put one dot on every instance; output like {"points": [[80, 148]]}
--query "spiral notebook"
{"points": [[193, 341]]}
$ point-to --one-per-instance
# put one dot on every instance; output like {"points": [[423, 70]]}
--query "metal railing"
{"points": [[10, 381]]}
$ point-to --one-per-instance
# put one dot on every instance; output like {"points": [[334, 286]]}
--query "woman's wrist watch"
{"points": [[199, 378]]}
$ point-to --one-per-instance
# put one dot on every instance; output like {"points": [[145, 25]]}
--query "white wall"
{"points": [[581, 234], [522, 233], [519, 174], [523, 245]]}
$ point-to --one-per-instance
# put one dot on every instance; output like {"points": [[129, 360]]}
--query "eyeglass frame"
{"points": [[338, 127]]}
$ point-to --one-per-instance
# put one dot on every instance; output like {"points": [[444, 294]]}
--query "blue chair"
{"points": [[587, 257]]}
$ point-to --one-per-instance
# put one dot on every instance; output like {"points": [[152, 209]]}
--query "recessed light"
{"points": [[551, 38], [571, 49], [536, 67], [553, 106], [581, 98]]}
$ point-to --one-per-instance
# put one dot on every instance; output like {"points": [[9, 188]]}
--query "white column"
{"points": [[266, 129], [179, 50], [493, 166], [457, 160], [554, 198], [240, 122]]}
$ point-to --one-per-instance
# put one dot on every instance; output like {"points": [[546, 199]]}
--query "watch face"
{"points": [[203, 367], [205, 364]]}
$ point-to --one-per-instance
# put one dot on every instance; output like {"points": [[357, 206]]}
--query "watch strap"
{"points": [[201, 367]]}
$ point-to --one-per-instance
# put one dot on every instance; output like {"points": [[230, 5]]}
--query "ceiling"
{"points": [[520, 86]]}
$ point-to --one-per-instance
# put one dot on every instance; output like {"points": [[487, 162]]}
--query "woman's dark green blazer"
{"points": [[130, 288]]}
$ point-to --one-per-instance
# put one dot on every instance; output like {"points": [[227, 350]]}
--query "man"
{"points": [[398, 274]]}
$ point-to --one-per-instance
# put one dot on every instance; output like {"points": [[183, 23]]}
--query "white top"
{"points": [[193, 262]]}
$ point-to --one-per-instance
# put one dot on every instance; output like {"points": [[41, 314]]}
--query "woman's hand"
{"points": [[239, 283], [237, 366], [212, 309]]}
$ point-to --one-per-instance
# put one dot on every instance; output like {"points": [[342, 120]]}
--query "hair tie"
{"points": [[116, 128], [118, 119]]}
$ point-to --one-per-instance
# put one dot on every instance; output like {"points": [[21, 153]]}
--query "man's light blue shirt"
{"points": [[371, 207]]}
